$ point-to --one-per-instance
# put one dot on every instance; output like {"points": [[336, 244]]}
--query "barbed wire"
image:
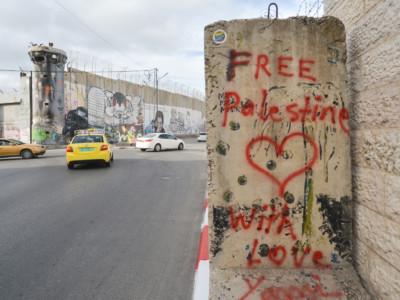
{"points": [[319, 7], [105, 69], [309, 7]]}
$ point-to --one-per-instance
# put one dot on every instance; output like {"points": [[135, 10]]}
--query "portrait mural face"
{"points": [[159, 122]]}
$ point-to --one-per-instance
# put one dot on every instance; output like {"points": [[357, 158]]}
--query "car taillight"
{"points": [[198, 136], [69, 149], [148, 141], [104, 147]]}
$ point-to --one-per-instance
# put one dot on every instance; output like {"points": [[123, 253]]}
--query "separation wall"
{"points": [[279, 160], [124, 109], [127, 110]]}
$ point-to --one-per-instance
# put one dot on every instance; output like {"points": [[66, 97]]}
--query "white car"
{"points": [[159, 141], [201, 137]]}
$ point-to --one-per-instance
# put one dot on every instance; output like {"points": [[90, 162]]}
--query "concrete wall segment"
{"points": [[254, 77]]}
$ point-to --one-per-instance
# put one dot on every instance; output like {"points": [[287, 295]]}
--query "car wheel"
{"points": [[157, 147], [180, 147], [26, 154], [70, 166], [143, 149], [112, 157], [108, 164]]}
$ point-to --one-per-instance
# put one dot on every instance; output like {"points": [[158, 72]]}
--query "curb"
{"points": [[202, 274]]}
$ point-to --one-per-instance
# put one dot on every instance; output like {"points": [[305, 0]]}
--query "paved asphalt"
{"points": [[126, 232]]}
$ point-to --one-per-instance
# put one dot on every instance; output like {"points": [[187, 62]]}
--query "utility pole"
{"points": [[30, 107], [156, 82]]}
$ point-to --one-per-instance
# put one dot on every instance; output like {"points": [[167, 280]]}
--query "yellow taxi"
{"points": [[11, 147], [89, 146]]}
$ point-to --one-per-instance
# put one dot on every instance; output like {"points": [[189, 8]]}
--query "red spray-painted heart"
{"points": [[279, 149], [274, 255]]}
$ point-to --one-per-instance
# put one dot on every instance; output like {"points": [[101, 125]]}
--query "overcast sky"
{"points": [[125, 35]]}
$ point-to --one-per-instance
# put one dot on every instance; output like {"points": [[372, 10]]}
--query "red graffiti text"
{"points": [[277, 255], [265, 220], [290, 293], [302, 67], [293, 112]]}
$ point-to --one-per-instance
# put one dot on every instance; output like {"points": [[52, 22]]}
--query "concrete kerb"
{"points": [[202, 275]]}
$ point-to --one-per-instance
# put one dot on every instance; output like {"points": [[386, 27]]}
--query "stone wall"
{"points": [[373, 43]]}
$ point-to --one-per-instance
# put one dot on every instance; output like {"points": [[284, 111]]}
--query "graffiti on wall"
{"points": [[74, 94], [316, 291], [75, 119], [180, 121], [21, 134], [120, 115], [113, 109], [124, 133], [48, 104], [291, 139]]}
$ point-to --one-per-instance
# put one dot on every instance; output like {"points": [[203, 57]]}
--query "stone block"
{"points": [[368, 189], [371, 31], [361, 260], [375, 108], [330, 6], [369, 4], [392, 197], [349, 12], [379, 233], [377, 149], [384, 279], [375, 68]]}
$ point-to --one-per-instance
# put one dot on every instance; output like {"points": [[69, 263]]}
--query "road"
{"points": [[126, 232]]}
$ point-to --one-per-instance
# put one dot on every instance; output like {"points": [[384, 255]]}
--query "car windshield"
{"points": [[16, 142], [150, 135], [202, 133], [87, 139]]}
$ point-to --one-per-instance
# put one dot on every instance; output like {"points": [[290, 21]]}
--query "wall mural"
{"points": [[121, 115], [174, 120]]}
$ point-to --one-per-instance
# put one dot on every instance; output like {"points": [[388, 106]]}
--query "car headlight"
{"points": [[38, 148]]}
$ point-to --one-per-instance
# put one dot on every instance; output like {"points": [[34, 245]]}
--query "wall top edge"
{"points": [[326, 20]]}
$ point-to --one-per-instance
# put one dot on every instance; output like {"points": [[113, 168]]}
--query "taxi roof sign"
{"points": [[89, 131]]}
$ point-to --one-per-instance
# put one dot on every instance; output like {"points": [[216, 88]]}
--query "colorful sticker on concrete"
{"points": [[219, 36]]}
